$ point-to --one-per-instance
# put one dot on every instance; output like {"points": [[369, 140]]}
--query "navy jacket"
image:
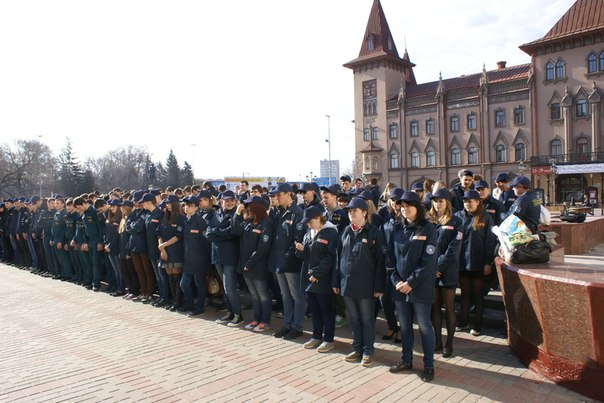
{"points": [[58, 227], [361, 271], [457, 197], [152, 221], [412, 255], [315, 202], [44, 225], [112, 237], [527, 207], [319, 259], [495, 209], [70, 226], [197, 248], [94, 225], [338, 217], [450, 238], [225, 245], [135, 226], [254, 247], [478, 247], [124, 240], [287, 228], [166, 231]]}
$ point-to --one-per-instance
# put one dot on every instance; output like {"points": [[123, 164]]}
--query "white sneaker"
{"points": [[325, 347], [475, 332], [312, 343]]}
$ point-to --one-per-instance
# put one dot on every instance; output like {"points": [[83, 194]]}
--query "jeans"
{"points": [[98, 267], [261, 299], [163, 284], [323, 315], [294, 302], [405, 311], [186, 285], [388, 305], [229, 280], [115, 265], [86, 265], [32, 252], [361, 315]]}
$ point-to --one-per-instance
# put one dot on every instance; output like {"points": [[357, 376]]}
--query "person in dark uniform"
{"points": [[360, 278], [77, 243], [311, 195], [94, 226], [503, 192], [475, 258], [36, 204], [492, 206], [450, 234], [59, 241], [335, 213], [152, 221], [70, 234], [287, 230], [244, 192], [411, 262], [375, 191], [527, 206], [111, 242], [372, 212], [346, 182], [252, 226], [318, 252], [466, 182], [139, 251], [126, 265], [171, 248], [197, 251]]}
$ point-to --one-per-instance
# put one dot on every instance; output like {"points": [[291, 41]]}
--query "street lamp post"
{"points": [[552, 162], [329, 148]]}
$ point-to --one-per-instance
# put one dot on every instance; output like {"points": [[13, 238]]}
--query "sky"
{"points": [[234, 87]]}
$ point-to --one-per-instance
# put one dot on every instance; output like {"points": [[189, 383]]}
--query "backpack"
{"points": [[532, 252]]}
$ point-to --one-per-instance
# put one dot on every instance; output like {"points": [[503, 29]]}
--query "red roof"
{"points": [[470, 81], [584, 16], [372, 147]]}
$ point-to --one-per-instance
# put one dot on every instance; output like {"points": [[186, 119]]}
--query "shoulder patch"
{"points": [[492, 211], [299, 226], [459, 236], [419, 238], [194, 231], [257, 231], [324, 241], [364, 240], [448, 227], [430, 249], [265, 238]]}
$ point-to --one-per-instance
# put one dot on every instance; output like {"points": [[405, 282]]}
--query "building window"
{"points": [[520, 152], [556, 147], [500, 153], [554, 112], [472, 155], [366, 135], [581, 108], [455, 156], [429, 126], [415, 159], [375, 164], [367, 164], [394, 160], [549, 71], [601, 60], [500, 118], [414, 129], [519, 115], [369, 89], [370, 45], [559, 70], [582, 146], [431, 158], [592, 63], [393, 131], [455, 123], [375, 133], [471, 121]]}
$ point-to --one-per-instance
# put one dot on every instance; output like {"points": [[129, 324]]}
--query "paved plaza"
{"points": [[60, 342]]}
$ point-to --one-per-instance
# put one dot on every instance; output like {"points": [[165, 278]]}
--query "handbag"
{"points": [[532, 252], [214, 287]]}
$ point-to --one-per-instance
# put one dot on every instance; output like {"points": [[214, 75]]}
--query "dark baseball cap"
{"points": [[521, 180], [334, 189], [502, 177], [441, 194], [481, 185], [471, 194], [310, 213], [357, 202]]}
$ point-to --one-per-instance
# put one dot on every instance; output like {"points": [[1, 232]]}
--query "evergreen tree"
{"points": [[187, 174], [70, 171], [172, 170], [87, 184]]}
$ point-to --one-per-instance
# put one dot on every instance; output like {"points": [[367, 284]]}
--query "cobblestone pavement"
{"points": [[60, 342]]}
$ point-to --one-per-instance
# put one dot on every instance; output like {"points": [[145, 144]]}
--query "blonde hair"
{"points": [[438, 185], [441, 219]]}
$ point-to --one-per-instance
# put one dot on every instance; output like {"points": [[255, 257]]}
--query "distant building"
{"points": [[325, 168], [510, 119]]}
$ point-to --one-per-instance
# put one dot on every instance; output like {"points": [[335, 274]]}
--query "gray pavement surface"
{"points": [[62, 343]]}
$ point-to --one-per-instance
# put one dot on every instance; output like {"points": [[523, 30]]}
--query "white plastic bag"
{"points": [[545, 217]]}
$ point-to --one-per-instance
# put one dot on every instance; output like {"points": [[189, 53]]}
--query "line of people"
{"points": [[318, 251]]}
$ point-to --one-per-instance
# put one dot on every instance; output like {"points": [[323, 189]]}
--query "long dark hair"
{"points": [[479, 217], [420, 218], [257, 213], [172, 215]]}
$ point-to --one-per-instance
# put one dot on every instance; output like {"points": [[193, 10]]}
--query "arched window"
{"points": [[415, 159], [375, 164], [414, 129], [500, 153], [592, 63], [393, 131], [520, 152], [472, 155], [367, 166], [500, 118], [581, 108], [431, 158], [454, 123], [549, 71], [370, 45], [582, 146], [560, 69], [519, 115], [455, 156], [601, 60], [556, 147], [394, 160]]}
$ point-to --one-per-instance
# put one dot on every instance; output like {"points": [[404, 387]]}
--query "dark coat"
{"points": [[287, 229], [44, 225], [254, 247], [412, 255], [527, 207], [124, 240], [94, 226], [338, 217], [450, 238], [112, 237], [495, 209], [152, 222], [478, 247], [319, 258], [58, 226], [70, 226], [225, 245], [361, 271], [166, 231], [135, 226], [197, 247]]}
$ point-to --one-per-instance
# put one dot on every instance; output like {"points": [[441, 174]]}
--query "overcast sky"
{"points": [[248, 82]]}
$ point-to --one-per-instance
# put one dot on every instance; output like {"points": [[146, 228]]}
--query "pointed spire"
{"points": [[377, 34], [567, 100]]}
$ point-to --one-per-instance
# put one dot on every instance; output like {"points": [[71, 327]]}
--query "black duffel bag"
{"points": [[573, 217], [532, 252]]}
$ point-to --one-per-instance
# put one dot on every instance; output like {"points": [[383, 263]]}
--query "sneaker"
{"points": [[353, 357], [461, 328], [280, 315], [251, 325], [474, 332], [225, 319], [340, 321], [236, 321], [281, 332], [325, 347], [262, 327], [312, 343], [367, 361], [293, 334]]}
